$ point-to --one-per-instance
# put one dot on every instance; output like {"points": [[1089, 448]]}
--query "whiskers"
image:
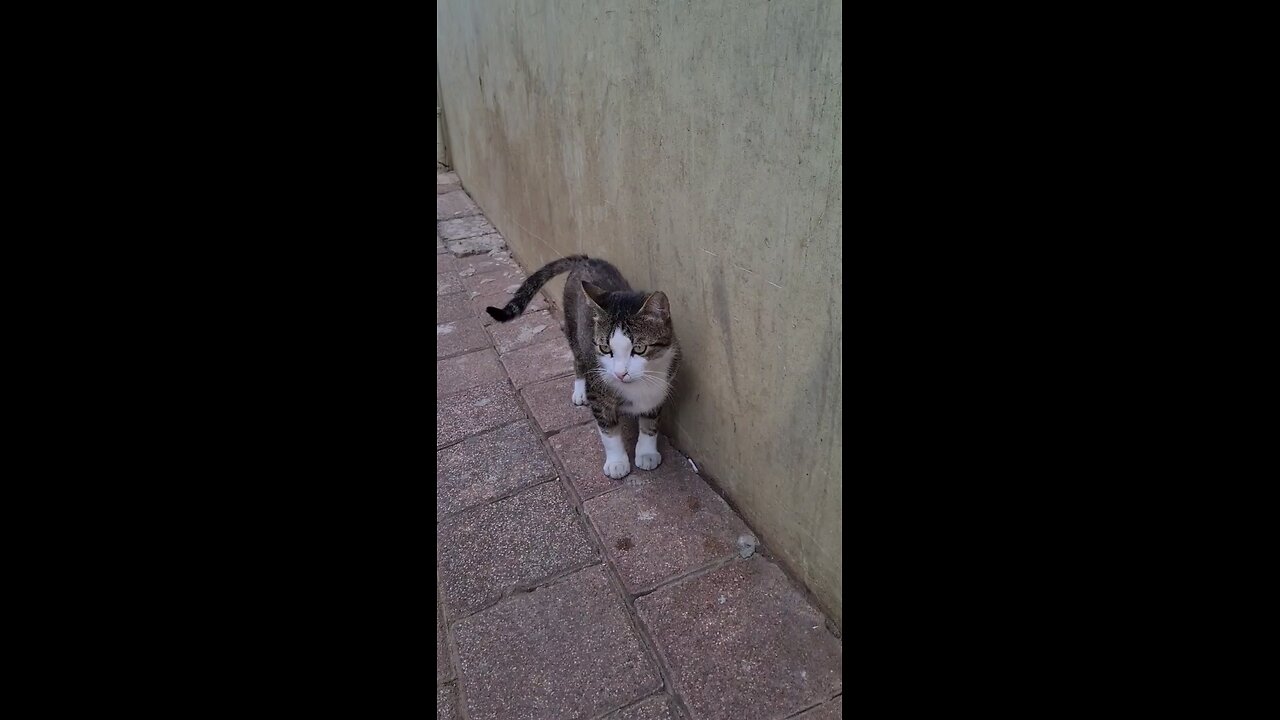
{"points": [[649, 378]]}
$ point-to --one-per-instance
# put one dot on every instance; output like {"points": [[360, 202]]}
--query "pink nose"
{"points": [[621, 375]]}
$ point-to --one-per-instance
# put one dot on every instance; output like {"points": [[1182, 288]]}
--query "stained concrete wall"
{"points": [[696, 145]]}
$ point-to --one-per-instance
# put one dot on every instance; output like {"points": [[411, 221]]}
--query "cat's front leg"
{"points": [[616, 464], [647, 455]]}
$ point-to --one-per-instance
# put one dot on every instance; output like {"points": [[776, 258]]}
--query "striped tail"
{"points": [[525, 294]]}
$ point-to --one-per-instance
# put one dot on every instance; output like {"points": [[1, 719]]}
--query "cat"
{"points": [[624, 349]]}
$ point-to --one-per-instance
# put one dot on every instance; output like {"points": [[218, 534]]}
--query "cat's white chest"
{"points": [[640, 397]]}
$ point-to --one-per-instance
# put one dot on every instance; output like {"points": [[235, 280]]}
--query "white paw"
{"points": [[648, 461], [579, 397], [617, 469]]}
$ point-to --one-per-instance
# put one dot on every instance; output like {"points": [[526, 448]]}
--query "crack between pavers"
{"points": [[628, 706], [519, 589], [452, 647], [464, 352], [450, 518], [699, 571], [815, 705], [481, 432]]}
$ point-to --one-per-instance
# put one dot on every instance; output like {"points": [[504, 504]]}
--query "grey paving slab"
{"points": [[551, 404], [516, 542], [499, 262], [474, 411], [655, 529], [741, 642], [465, 371], [461, 336], [466, 227], [582, 455], [488, 283], [447, 178], [541, 361], [453, 205], [448, 283], [445, 263], [560, 653], [477, 245], [453, 307], [488, 466], [528, 329]]}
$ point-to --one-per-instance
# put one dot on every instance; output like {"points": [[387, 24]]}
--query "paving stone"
{"points": [[474, 411], [582, 455], [551, 404], [448, 177], [528, 329], [448, 283], [447, 703], [500, 262], [541, 361], [563, 652], [442, 189], [454, 307], [487, 282], [465, 371], [444, 669], [741, 642], [478, 245], [657, 707], [513, 543], [467, 227], [453, 205], [826, 711], [500, 299], [486, 466], [445, 263], [654, 529], [459, 336]]}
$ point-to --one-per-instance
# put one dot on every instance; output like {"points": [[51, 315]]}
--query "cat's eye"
{"points": [[639, 349], [605, 350]]}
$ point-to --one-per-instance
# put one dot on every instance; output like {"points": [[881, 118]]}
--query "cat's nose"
{"points": [[621, 375]]}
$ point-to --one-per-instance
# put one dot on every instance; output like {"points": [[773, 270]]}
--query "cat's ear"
{"points": [[657, 305], [595, 295]]}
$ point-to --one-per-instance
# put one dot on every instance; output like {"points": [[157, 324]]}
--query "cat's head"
{"points": [[632, 333]]}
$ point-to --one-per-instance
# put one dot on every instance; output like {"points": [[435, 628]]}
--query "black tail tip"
{"points": [[499, 314]]}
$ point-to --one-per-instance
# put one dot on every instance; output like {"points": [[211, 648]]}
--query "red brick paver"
{"points": [[566, 651]]}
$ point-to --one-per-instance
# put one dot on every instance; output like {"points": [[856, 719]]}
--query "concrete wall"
{"points": [[442, 156], [696, 145]]}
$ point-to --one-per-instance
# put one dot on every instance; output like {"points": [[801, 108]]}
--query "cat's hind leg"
{"points": [[581, 366]]}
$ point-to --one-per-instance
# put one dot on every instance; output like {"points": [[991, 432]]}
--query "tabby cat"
{"points": [[625, 351]]}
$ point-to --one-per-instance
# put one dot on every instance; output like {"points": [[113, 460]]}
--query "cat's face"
{"points": [[632, 333]]}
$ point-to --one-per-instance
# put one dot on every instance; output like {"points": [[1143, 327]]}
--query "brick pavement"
{"points": [[562, 593]]}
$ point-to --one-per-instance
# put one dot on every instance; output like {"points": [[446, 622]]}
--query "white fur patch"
{"points": [[579, 392], [616, 464]]}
